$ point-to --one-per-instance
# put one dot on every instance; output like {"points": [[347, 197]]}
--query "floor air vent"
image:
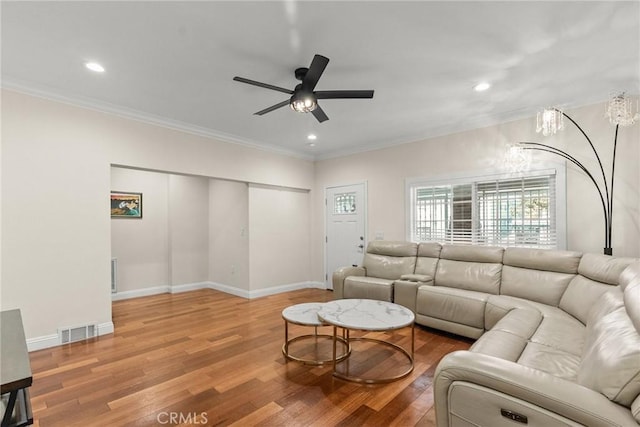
{"points": [[77, 333]]}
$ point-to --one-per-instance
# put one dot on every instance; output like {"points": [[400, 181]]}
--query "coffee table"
{"points": [[368, 315], [307, 315]]}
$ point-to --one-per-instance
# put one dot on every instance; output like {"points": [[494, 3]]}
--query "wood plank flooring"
{"points": [[210, 358]]}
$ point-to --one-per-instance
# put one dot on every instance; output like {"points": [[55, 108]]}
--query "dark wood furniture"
{"points": [[15, 371]]}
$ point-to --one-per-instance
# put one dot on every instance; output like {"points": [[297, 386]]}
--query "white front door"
{"points": [[346, 213]]}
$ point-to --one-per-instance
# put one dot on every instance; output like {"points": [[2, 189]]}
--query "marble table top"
{"points": [[366, 314], [303, 314]]}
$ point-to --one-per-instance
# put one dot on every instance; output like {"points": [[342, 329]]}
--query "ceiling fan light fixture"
{"points": [[303, 103]]}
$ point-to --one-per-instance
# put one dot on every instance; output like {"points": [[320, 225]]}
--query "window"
{"points": [[344, 203], [497, 210]]}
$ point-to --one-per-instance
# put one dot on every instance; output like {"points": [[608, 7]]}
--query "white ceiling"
{"points": [[173, 63]]}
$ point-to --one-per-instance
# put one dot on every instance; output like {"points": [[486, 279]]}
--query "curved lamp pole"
{"points": [[604, 187], [606, 198]]}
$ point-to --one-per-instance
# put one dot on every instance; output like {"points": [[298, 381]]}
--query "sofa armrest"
{"points": [[557, 395], [342, 273], [405, 291]]}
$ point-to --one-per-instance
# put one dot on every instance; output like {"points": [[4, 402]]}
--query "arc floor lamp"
{"points": [[550, 120]]}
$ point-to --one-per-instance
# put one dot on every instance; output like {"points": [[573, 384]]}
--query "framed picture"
{"points": [[126, 205]]}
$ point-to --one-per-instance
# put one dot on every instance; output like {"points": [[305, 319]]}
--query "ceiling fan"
{"points": [[303, 98]]}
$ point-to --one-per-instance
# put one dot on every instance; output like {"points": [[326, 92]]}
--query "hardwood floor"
{"points": [[210, 358]]}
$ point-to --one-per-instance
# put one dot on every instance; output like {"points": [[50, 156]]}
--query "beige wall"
{"points": [[279, 221], [188, 229], [56, 178], [229, 233], [387, 169], [55, 221], [197, 230], [142, 245]]}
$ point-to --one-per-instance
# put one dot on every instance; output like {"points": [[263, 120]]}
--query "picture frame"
{"points": [[126, 205]]}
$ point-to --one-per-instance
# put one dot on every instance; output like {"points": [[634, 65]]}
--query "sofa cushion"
{"points": [[510, 335], [630, 285], [474, 276], [561, 331], [489, 254], [603, 268], [392, 248], [543, 259], [453, 305], [521, 322], [611, 361], [596, 275], [582, 294], [550, 360], [368, 288], [389, 259], [429, 249], [428, 256], [611, 358], [556, 328], [546, 287]]}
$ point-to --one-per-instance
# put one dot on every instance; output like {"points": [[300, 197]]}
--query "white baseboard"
{"points": [[257, 293], [53, 340], [176, 289], [144, 292], [46, 341], [243, 293]]}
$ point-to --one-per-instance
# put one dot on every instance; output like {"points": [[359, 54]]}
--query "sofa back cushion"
{"points": [[541, 286], [543, 259], [389, 259], [611, 358], [537, 274], [596, 274], [476, 268], [428, 256], [630, 285]]}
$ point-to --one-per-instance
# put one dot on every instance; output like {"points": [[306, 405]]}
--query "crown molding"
{"points": [[131, 114]]}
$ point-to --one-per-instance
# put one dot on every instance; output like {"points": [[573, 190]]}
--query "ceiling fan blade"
{"points": [[273, 107], [264, 85], [341, 94], [319, 114], [318, 64]]}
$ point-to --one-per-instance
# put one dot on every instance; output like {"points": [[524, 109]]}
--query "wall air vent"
{"points": [[77, 333]]}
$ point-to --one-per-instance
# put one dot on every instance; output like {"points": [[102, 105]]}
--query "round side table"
{"points": [[307, 315], [369, 315]]}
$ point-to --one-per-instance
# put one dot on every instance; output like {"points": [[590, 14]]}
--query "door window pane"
{"points": [[344, 203]]}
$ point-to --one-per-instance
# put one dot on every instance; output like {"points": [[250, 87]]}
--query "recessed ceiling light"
{"points": [[311, 144], [311, 137], [481, 87], [94, 66]]}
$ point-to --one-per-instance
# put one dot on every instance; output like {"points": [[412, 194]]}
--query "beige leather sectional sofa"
{"points": [[558, 332]]}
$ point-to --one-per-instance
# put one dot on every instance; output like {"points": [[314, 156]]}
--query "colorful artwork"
{"points": [[126, 205]]}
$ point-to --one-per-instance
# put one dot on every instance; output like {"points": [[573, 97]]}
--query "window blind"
{"points": [[498, 211]]}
